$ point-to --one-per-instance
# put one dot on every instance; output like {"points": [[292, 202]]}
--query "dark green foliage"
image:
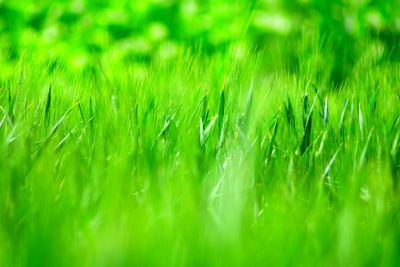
{"points": [[47, 107]]}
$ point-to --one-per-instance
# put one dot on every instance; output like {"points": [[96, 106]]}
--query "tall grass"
{"points": [[222, 160]]}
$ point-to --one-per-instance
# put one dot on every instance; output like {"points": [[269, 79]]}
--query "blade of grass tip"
{"points": [[83, 132], [204, 112], [221, 138], [275, 130], [329, 166], [271, 123], [55, 127], [208, 129], [361, 121], [289, 112], [365, 149], [395, 156], [91, 118], [11, 102], [91, 110], [320, 99], [305, 141], [305, 109], [372, 103], [316, 90], [3, 120], [395, 123], [221, 110], [47, 107], [322, 144], [28, 107], [9, 96], [11, 137], [70, 133], [81, 112], [395, 143], [59, 122], [326, 112], [204, 133], [201, 132], [9, 120], [166, 125]]}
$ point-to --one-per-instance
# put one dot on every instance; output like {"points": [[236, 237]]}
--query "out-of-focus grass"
{"points": [[276, 146], [135, 31]]}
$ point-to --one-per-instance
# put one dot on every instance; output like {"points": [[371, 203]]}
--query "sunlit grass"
{"points": [[241, 157]]}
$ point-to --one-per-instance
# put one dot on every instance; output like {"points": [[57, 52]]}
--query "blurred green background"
{"points": [[80, 32]]}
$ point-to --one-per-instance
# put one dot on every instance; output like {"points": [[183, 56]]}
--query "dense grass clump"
{"points": [[199, 133], [202, 160]]}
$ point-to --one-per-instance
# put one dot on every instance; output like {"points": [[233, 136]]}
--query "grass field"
{"points": [[280, 148]]}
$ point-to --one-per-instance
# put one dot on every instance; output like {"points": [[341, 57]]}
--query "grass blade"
{"points": [[306, 139], [55, 128], [289, 113], [329, 166], [361, 121], [326, 113], [204, 133], [47, 107]]}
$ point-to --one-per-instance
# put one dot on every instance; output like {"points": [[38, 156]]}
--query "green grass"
{"points": [[241, 157]]}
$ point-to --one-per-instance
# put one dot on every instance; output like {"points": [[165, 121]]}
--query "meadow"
{"points": [[199, 133]]}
